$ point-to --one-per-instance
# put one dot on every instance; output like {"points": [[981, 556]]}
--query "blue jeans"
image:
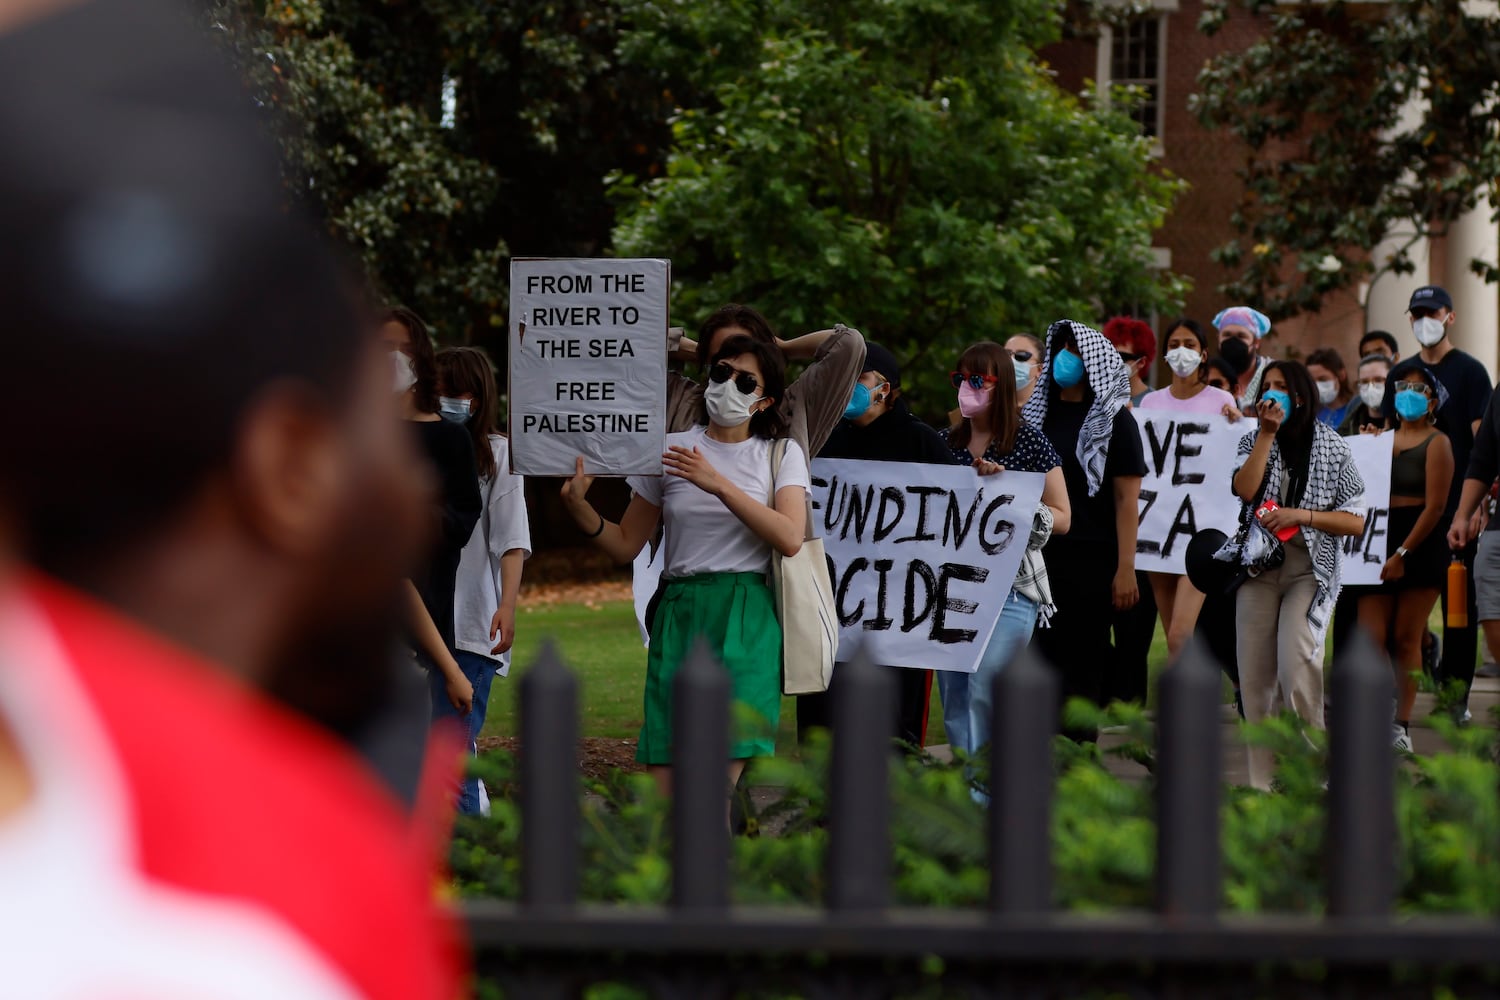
{"points": [[480, 670], [967, 698]]}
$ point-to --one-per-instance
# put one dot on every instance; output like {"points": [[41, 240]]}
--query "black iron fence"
{"points": [[550, 945]]}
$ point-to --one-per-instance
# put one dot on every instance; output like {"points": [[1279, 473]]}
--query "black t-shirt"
{"points": [[459, 504], [1468, 386], [894, 436], [1093, 516]]}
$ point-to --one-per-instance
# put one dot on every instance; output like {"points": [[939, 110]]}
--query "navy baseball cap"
{"points": [[878, 359], [1430, 297]]}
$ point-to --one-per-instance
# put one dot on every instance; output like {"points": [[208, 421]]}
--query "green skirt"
{"points": [[735, 614]]}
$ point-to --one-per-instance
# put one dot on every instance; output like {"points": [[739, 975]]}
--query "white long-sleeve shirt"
{"points": [[502, 526]]}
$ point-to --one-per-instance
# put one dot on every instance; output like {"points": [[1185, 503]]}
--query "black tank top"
{"points": [[1409, 471]]}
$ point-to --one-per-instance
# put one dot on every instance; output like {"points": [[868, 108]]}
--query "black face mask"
{"points": [[1237, 353]]}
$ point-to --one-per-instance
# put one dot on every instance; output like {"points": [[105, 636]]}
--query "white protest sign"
{"points": [[922, 556], [1189, 462], [588, 365], [1365, 554]]}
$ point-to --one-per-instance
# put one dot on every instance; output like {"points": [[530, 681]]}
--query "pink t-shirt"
{"points": [[1207, 400]]}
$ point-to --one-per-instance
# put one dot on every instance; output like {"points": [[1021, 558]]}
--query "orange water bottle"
{"points": [[1458, 593]]}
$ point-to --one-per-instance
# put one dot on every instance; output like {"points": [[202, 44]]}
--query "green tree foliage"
{"points": [[1333, 167], [433, 197], [908, 167]]}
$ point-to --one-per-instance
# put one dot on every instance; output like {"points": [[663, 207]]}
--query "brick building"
{"points": [[1161, 51]]}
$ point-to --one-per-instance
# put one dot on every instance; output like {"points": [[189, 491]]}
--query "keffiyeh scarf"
{"points": [[1107, 377], [1333, 483]]}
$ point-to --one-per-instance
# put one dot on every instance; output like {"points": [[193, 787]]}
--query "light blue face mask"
{"points": [[455, 410], [1067, 369], [859, 402], [1279, 397], [1411, 404], [1023, 373]]}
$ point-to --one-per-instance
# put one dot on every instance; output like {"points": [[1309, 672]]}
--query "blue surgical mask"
{"points": [[1276, 395], [858, 403], [454, 410], [1023, 373], [1067, 369], [1411, 404]]}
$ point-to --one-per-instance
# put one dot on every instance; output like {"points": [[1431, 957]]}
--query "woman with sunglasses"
{"points": [[1219, 374], [990, 435], [1026, 354], [1177, 600], [1417, 562], [721, 529], [1080, 404], [1137, 346]]}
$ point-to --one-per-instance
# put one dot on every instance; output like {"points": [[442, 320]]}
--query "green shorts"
{"points": [[735, 614]]}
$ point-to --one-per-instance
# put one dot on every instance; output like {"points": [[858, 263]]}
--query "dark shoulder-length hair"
{"points": [[1295, 435], [467, 371], [747, 318], [989, 358], [423, 357], [767, 423]]}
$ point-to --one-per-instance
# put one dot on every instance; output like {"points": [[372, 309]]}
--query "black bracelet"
{"points": [[599, 530]]}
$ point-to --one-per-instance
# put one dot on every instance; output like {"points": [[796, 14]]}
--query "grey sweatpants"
{"points": [[1281, 661]]}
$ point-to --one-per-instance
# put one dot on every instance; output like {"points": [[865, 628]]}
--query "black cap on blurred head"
{"points": [[1208, 574], [878, 359], [1430, 297]]}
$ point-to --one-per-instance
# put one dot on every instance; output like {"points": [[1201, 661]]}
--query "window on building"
{"points": [[1136, 60]]}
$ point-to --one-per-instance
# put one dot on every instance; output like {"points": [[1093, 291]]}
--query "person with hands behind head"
{"points": [[1080, 405], [489, 568], [991, 436], [879, 427], [724, 513], [1297, 480], [1417, 553]]}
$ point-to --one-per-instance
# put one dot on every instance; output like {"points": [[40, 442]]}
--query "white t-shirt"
{"points": [[704, 536], [502, 526]]}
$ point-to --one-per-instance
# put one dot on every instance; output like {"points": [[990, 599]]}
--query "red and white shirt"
{"points": [[187, 838]]}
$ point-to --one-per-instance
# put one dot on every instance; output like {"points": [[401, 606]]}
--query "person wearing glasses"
{"points": [[1137, 346], [1080, 405], [1396, 610], [1468, 385], [1026, 355], [1177, 600], [720, 534], [1219, 374], [991, 436], [1365, 415]]}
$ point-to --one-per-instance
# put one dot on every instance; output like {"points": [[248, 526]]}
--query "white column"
{"points": [[1386, 297], [1475, 301]]}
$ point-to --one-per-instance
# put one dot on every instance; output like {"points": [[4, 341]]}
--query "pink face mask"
{"points": [[972, 402]]}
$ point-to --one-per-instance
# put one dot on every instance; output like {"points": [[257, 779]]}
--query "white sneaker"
{"points": [[1401, 739]]}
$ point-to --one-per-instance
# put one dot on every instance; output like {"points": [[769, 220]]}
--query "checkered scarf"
{"points": [[1106, 376]]}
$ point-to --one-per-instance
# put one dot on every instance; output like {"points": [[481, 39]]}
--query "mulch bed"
{"points": [[597, 756], [573, 576]]}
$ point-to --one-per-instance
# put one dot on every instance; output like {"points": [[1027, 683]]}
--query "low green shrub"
{"points": [[1103, 829]]}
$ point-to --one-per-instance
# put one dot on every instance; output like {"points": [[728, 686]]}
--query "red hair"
{"points": [[1133, 335]]}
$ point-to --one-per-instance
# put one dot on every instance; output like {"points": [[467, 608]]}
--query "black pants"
{"points": [[1217, 630], [1460, 645], [913, 695], [1134, 629], [1077, 645]]}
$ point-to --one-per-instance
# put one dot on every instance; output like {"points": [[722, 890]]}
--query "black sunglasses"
{"points": [[1127, 357], [1022, 355], [1218, 383], [743, 381]]}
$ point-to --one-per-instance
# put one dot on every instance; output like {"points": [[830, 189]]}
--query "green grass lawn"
{"points": [[603, 644]]}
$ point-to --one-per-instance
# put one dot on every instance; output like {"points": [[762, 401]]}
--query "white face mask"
{"points": [[1184, 361], [1428, 330], [405, 375], [1328, 390], [727, 406], [1372, 394]]}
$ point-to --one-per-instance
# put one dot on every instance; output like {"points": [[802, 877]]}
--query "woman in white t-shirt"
{"points": [[1185, 350], [722, 524], [489, 568]]}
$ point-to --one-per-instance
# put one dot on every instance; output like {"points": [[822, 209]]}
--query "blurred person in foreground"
{"points": [[193, 615]]}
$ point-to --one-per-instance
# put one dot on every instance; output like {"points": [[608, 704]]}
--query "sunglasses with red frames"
{"points": [[975, 380], [743, 381]]}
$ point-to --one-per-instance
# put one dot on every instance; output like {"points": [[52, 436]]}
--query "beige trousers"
{"points": [[1281, 663]]}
